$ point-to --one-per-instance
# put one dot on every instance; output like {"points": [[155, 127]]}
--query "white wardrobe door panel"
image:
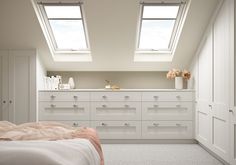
{"points": [[205, 71], [203, 129], [19, 91], [1, 100]]}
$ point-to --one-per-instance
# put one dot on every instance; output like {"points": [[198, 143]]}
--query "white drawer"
{"points": [[116, 96], [64, 111], [167, 130], [118, 129], [167, 96], [116, 110], [167, 110], [63, 96], [74, 123]]}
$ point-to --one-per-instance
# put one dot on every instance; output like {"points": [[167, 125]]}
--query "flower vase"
{"points": [[71, 83], [178, 82]]}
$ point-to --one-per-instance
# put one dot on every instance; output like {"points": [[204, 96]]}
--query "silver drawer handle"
{"points": [[126, 124], [75, 106], [126, 97], [53, 106], [104, 97], [155, 97], [178, 105], [104, 124], [3, 101], [75, 97], [155, 124], [104, 106]]}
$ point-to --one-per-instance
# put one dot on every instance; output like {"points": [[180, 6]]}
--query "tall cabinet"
{"points": [[214, 85], [18, 85]]}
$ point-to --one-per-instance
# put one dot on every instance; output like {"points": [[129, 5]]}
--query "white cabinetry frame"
{"points": [[123, 114]]}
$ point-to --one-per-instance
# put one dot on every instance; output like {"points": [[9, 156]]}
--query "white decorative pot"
{"points": [[178, 82], [71, 83]]}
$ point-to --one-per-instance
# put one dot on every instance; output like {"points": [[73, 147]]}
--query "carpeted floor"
{"points": [[157, 154]]}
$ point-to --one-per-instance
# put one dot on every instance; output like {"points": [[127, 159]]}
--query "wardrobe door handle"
{"points": [[10, 101], [4, 102]]}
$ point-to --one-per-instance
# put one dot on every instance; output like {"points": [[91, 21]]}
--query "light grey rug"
{"points": [[157, 154]]}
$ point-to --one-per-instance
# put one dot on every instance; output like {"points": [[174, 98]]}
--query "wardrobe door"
{"points": [[204, 101], [221, 84], [21, 82]]}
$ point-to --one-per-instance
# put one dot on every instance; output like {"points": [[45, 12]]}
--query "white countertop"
{"points": [[119, 90]]}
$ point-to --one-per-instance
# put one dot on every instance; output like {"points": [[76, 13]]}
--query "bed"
{"points": [[48, 143]]}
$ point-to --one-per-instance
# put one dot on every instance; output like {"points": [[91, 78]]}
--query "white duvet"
{"points": [[60, 152]]}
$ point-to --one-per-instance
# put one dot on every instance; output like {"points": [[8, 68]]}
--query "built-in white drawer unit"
{"points": [[116, 110], [64, 111], [118, 129], [167, 130], [167, 110], [64, 96], [116, 96], [167, 96]]}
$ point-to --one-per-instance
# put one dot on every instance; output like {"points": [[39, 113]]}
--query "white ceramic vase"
{"points": [[178, 82], [71, 83]]}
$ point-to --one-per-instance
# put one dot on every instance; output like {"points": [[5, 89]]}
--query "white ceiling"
{"points": [[112, 33]]}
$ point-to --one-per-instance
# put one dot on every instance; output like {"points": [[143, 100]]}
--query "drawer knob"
{"points": [[178, 105], [126, 124], [53, 106], [52, 96], [126, 106], [75, 124], [155, 97], [155, 106], [75, 106], [104, 106], [75, 97], [104, 124], [126, 97], [178, 97], [3, 101], [178, 125], [155, 124]]}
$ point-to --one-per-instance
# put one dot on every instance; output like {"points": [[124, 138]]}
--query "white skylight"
{"points": [[158, 26], [66, 27]]}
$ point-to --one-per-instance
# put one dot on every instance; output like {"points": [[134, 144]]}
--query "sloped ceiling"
{"points": [[112, 33]]}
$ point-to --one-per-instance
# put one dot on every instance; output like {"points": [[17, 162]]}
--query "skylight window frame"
{"points": [[176, 29], [51, 38]]}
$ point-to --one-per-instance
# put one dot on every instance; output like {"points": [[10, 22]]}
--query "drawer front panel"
{"points": [[167, 96], [116, 110], [118, 129], [167, 111], [74, 123], [64, 111], [116, 96], [64, 96], [167, 130]]}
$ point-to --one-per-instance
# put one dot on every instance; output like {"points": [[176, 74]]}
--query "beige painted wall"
{"points": [[122, 79]]}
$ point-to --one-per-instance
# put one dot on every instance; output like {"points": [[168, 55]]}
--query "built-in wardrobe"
{"points": [[213, 69]]}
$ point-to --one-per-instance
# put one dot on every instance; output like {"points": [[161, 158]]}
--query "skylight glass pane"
{"points": [[156, 34], [160, 11], [63, 11], [69, 34]]}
